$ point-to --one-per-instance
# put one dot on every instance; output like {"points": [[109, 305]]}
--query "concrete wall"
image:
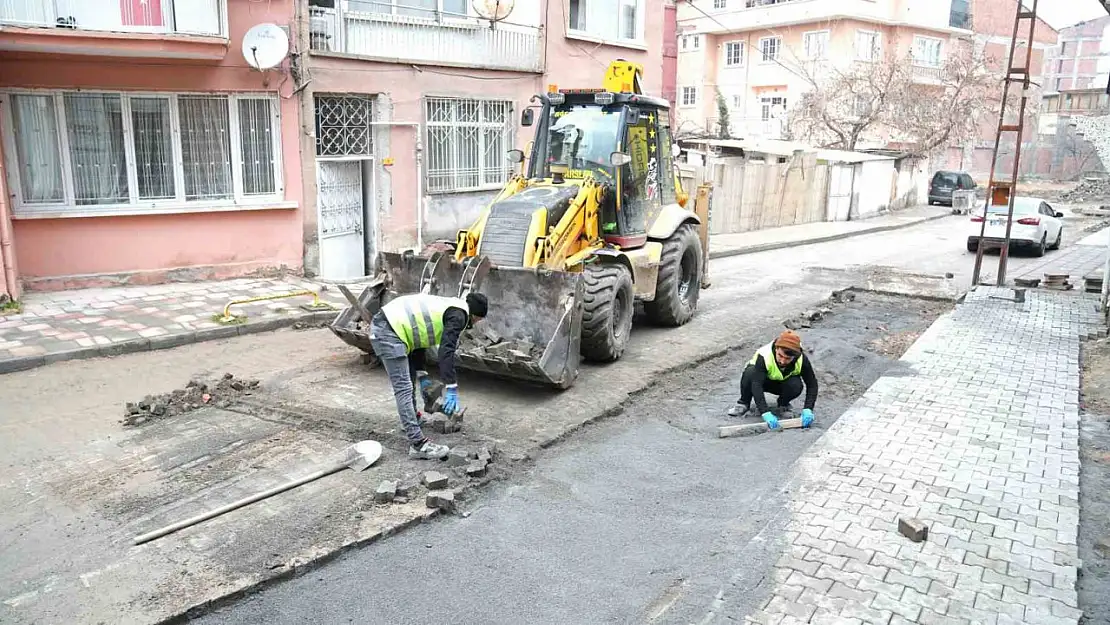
{"points": [[873, 187], [67, 252]]}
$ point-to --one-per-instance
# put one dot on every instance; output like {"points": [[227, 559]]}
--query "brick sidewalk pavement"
{"points": [[1078, 261], [980, 442], [88, 323]]}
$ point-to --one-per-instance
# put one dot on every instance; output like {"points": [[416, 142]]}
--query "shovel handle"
{"points": [[169, 529]]}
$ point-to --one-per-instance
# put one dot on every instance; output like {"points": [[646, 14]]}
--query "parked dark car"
{"points": [[945, 182]]}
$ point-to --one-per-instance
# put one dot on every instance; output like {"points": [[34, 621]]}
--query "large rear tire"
{"points": [[679, 284], [607, 312]]}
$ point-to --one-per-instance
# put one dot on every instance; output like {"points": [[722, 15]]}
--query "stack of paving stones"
{"points": [[108, 322], [980, 444]]}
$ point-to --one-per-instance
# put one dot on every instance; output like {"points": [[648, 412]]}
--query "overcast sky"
{"points": [[1061, 13]]}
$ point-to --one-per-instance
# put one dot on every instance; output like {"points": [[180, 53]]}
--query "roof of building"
{"points": [[787, 148]]}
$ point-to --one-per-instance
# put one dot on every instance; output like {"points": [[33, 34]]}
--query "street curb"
{"points": [[766, 247], [167, 341]]}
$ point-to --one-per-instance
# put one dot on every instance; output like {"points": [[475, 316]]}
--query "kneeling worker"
{"points": [[779, 368], [399, 334]]}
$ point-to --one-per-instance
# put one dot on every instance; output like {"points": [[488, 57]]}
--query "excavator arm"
{"points": [[577, 234]]}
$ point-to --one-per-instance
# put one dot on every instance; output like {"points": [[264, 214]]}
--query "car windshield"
{"points": [[582, 137], [1022, 206]]}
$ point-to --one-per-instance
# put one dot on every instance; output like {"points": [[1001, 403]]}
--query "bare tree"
{"points": [[892, 101]]}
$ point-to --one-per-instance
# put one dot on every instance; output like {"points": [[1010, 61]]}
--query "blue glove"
{"points": [[771, 421], [425, 383], [807, 418], [451, 400]]}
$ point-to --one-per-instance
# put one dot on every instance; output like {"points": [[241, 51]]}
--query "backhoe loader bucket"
{"points": [[534, 327]]}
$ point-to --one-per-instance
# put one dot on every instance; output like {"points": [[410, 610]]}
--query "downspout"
{"points": [[419, 177], [7, 251]]}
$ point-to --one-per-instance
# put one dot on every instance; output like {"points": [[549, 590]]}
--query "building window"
{"points": [[131, 153], [926, 51], [689, 96], [691, 42], [816, 45], [867, 45], [959, 16], [737, 101], [734, 53], [467, 143], [720, 4], [769, 48], [343, 126], [772, 107], [614, 20], [428, 9]]}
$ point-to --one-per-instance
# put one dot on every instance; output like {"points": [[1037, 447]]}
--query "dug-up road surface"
{"points": [[77, 485], [640, 519]]}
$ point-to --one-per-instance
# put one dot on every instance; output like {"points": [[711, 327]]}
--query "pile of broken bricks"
{"points": [[484, 342], [473, 465]]}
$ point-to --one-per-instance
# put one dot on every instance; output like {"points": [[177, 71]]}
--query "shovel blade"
{"points": [[362, 455]]}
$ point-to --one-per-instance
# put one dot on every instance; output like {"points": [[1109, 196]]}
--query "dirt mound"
{"points": [[196, 394], [1088, 190]]}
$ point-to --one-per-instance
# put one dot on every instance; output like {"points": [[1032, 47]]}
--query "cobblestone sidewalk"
{"points": [[981, 443], [106, 322]]}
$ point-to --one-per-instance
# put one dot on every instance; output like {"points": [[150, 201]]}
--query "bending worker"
{"points": [[779, 368], [400, 333]]}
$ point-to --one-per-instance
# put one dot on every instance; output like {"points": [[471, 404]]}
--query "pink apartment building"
{"points": [[139, 146], [755, 54], [413, 104]]}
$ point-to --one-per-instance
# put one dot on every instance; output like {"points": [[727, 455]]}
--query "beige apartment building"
{"points": [[757, 54]]}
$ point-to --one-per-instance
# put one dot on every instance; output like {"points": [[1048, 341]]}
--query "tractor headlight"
{"points": [[604, 99], [556, 98]]}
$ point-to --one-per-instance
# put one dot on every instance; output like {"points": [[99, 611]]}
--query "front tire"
{"points": [[679, 284], [606, 312]]}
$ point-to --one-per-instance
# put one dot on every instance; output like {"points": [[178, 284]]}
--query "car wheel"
{"points": [[1040, 249], [1059, 239], [972, 245]]}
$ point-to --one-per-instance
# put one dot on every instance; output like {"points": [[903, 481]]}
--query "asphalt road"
{"points": [[647, 518]]}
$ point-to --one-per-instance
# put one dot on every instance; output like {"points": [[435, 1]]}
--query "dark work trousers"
{"points": [[787, 390]]}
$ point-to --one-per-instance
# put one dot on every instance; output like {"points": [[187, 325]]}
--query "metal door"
{"points": [[840, 192], [341, 192]]}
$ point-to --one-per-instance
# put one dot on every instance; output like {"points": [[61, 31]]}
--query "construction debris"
{"points": [[485, 343], [196, 394], [1092, 283], [440, 499], [914, 529], [476, 468], [435, 480], [387, 491], [1088, 190]]}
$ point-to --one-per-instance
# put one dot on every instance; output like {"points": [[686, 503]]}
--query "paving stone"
{"points": [[441, 499], [386, 491], [435, 480]]}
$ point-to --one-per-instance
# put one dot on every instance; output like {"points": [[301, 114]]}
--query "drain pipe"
{"points": [[7, 252], [419, 177]]}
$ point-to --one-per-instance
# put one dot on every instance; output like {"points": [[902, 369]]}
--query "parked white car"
{"points": [[1036, 228]]}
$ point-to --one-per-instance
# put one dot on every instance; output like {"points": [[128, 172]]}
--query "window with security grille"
{"points": [[467, 143], [138, 153], [343, 125]]}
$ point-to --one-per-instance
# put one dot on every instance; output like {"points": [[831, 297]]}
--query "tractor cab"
{"points": [[621, 141]]}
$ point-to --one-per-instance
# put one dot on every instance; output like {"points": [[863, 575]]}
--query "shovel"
{"points": [[357, 457]]}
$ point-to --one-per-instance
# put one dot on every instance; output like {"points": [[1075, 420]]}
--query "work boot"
{"points": [[739, 410], [429, 451]]}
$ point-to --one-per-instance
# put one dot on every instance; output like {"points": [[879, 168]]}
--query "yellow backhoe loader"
{"points": [[595, 222]]}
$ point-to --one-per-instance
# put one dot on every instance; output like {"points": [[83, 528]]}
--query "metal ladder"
{"points": [[1003, 191]]}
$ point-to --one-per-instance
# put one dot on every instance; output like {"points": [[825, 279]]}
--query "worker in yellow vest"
{"points": [[399, 334], [779, 368]]}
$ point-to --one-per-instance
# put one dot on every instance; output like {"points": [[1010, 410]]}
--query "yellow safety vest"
{"points": [[418, 318], [773, 372]]}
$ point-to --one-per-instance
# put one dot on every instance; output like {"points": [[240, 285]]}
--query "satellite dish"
{"points": [[493, 10], [265, 46]]}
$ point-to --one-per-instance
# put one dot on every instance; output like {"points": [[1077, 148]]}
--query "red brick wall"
{"points": [[996, 17]]}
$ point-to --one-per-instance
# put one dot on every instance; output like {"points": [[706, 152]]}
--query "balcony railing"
{"points": [[438, 38], [927, 75], [169, 17]]}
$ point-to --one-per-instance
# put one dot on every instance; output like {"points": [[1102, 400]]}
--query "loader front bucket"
{"points": [[533, 331]]}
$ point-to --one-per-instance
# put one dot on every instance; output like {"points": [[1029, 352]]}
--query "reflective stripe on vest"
{"points": [[418, 319], [773, 372]]}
